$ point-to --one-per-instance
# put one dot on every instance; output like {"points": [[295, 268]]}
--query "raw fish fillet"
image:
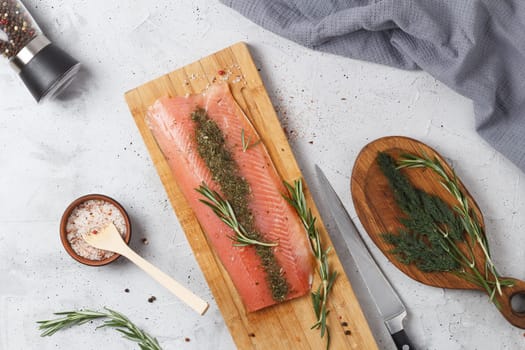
{"points": [[170, 122]]}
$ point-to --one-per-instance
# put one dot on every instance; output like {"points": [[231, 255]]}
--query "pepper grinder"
{"points": [[45, 69]]}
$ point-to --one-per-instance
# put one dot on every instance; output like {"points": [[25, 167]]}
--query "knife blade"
{"points": [[390, 307]]}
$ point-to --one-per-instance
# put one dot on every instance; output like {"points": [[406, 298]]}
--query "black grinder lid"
{"points": [[44, 68]]}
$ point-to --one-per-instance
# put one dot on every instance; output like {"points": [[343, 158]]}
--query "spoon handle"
{"points": [[514, 316], [169, 283]]}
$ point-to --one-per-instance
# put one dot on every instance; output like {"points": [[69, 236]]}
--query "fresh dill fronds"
{"points": [[433, 231], [429, 222], [297, 200], [113, 319]]}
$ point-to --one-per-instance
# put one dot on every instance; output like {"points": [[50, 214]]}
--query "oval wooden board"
{"points": [[287, 325], [378, 212]]}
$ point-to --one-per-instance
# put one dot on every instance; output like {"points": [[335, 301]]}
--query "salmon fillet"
{"points": [[175, 132]]}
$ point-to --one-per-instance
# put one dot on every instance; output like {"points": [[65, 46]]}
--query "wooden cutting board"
{"points": [[284, 326], [378, 212]]}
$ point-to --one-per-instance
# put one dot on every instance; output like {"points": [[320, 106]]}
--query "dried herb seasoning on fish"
{"points": [[211, 146], [434, 233], [208, 140], [237, 214]]}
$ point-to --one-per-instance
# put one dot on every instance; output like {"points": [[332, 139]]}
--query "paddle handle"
{"points": [[169, 283], [515, 317]]}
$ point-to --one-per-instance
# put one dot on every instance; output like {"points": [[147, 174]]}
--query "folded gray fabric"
{"points": [[476, 47]]}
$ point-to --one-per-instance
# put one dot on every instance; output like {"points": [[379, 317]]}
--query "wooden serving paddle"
{"points": [[376, 208]]}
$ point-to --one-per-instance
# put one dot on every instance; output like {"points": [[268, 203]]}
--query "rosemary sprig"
{"points": [[433, 230], [223, 209], [297, 200], [246, 142], [113, 318]]}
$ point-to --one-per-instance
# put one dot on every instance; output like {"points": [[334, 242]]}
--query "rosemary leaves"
{"points": [[223, 209], [245, 142], [297, 200], [436, 237], [113, 319]]}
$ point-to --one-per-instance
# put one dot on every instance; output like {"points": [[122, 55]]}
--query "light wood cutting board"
{"points": [[287, 325]]}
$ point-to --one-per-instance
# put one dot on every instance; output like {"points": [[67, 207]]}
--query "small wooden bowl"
{"points": [[67, 214]]}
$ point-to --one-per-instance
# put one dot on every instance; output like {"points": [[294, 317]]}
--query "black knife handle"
{"points": [[402, 341]]}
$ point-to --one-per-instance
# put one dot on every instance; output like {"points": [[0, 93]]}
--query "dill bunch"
{"points": [[429, 223], [433, 230]]}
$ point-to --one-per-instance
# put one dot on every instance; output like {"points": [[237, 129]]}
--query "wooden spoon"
{"points": [[110, 239], [379, 213]]}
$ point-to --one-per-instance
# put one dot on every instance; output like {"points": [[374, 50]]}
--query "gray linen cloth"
{"points": [[476, 47]]}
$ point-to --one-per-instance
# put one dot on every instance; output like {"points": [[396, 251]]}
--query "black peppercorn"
{"points": [[17, 27]]}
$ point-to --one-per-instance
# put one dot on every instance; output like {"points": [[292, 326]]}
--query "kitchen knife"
{"points": [[390, 307]]}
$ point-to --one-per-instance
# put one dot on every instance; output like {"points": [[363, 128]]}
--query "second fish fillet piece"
{"points": [[174, 130]]}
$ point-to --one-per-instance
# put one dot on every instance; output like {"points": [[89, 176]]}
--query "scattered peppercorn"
{"points": [[152, 299], [187, 340], [126, 290]]}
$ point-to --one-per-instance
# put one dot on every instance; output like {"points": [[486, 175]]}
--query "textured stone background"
{"points": [[87, 142]]}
